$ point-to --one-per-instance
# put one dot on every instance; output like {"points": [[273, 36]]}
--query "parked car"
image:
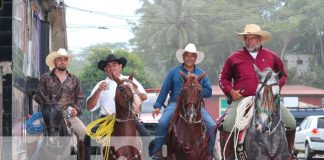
{"points": [[146, 117], [310, 136]]}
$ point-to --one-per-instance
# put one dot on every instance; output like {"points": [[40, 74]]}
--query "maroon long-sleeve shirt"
{"points": [[238, 72]]}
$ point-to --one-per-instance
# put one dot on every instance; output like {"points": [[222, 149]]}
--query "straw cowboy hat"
{"points": [[55, 54], [255, 29], [192, 49], [111, 58]]}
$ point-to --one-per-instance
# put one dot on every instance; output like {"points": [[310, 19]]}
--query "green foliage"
{"points": [[313, 78], [90, 75], [167, 25]]}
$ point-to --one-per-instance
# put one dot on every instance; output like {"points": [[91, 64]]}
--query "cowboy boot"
{"points": [[229, 146], [82, 155], [290, 135]]}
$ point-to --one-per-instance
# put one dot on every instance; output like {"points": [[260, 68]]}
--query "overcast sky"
{"points": [[84, 18]]}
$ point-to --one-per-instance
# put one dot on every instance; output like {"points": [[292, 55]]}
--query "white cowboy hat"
{"points": [[192, 49], [255, 29], [55, 54]]}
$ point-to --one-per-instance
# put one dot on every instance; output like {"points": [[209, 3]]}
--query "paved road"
{"points": [[301, 156]]}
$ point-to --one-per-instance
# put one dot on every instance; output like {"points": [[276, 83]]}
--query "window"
{"points": [[303, 124], [309, 122], [320, 123], [290, 101]]}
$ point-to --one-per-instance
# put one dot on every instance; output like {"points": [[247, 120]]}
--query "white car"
{"points": [[310, 136], [146, 117]]}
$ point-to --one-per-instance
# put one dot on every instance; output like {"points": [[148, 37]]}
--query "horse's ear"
{"points": [[280, 74], [257, 70], [184, 77], [202, 76], [131, 76], [116, 79]]}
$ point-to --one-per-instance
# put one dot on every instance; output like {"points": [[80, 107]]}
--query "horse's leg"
{"points": [[225, 139], [82, 151], [217, 148]]}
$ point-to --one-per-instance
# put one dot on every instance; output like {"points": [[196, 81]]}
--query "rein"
{"points": [[130, 103], [197, 108], [270, 130], [195, 122]]}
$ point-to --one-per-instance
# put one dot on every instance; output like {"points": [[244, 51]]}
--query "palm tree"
{"points": [[170, 25]]}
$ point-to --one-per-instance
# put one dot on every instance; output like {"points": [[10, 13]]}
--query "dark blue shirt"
{"points": [[173, 83]]}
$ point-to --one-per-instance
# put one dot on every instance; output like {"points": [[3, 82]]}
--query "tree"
{"points": [[165, 26], [90, 73]]}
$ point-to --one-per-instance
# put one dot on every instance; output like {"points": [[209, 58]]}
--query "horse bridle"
{"points": [[261, 144], [276, 96], [200, 103], [63, 121], [130, 106]]}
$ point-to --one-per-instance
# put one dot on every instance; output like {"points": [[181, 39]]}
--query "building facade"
{"points": [[28, 31]]}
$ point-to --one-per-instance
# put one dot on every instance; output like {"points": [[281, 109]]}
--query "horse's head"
{"points": [[191, 97], [127, 98], [267, 94]]}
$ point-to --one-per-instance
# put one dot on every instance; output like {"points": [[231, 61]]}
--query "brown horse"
{"points": [[124, 142], [188, 133]]}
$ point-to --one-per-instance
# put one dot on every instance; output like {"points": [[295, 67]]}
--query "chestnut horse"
{"points": [[124, 142], [188, 134]]}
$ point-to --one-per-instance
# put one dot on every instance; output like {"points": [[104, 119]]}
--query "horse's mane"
{"points": [[176, 115], [268, 102], [178, 108]]}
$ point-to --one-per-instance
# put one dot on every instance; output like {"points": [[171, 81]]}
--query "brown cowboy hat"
{"points": [[256, 30], [111, 58]]}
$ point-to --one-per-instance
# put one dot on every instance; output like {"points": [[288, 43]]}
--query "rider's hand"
{"points": [[103, 85], [236, 94], [74, 112], [156, 112]]}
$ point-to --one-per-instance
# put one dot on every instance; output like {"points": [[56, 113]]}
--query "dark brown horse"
{"points": [[59, 141], [124, 142], [188, 133]]}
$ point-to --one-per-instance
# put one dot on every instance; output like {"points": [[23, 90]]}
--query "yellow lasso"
{"points": [[103, 133]]}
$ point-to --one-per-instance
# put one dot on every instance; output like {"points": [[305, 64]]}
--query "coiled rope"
{"points": [[241, 120], [33, 128], [105, 127]]}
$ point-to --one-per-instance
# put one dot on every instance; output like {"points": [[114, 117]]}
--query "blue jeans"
{"points": [[164, 122]]}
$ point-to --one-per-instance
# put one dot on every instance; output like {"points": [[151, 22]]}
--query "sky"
{"points": [[84, 19]]}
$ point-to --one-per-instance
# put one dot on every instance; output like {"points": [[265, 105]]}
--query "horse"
{"points": [[124, 142], [187, 133], [265, 136], [59, 141]]}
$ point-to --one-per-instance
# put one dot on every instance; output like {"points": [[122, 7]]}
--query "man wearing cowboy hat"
{"points": [[103, 94], [189, 58], [238, 79], [60, 83]]}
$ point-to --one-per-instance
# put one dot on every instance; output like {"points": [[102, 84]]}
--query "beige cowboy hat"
{"points": [[255, 29], [55, 54], [192, 49]]}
